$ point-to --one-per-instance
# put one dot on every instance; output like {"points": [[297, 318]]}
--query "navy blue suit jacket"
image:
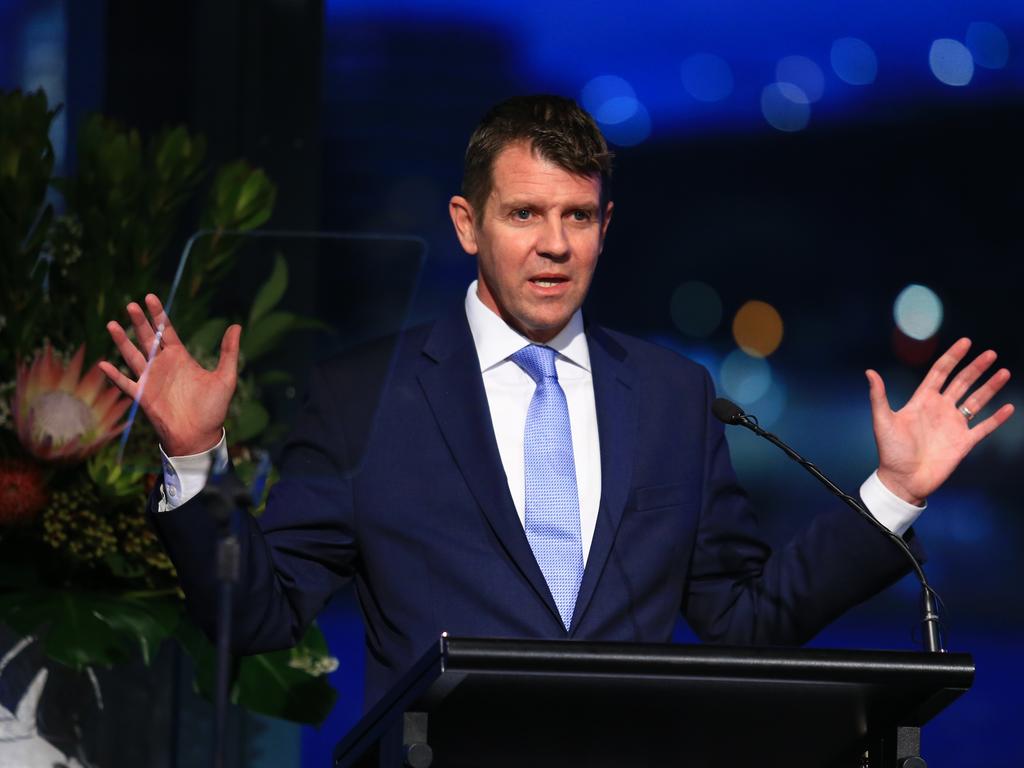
{"points": [[428, 530]]}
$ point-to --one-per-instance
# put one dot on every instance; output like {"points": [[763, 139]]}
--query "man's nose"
{"points": [[553, 241]]}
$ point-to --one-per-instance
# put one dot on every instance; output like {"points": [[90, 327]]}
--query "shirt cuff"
{"points": [[889, 509], [186, 476]]}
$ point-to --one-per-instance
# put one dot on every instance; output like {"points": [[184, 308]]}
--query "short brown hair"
{"points": [[556, 128]]}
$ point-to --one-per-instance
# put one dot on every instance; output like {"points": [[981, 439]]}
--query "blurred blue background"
{"points": [[803, 190]]}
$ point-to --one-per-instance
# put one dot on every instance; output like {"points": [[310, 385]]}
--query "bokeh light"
{"points": [[707, 77], [631, 131], [745, 379], [609, 99], [854, 61], [770, 407], [785, 106], [988, 45], [951, 62], [614, 105], [918, 312], [1009, 438], [696, 308], [757, 328], [915, 352], [803, 73]]}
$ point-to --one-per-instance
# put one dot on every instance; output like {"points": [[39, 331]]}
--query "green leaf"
{"points": [[269, 685], [150, 622], [73, 633], [250, 419], [273, 378], [207, 338], [268, 332], [270, 292]]}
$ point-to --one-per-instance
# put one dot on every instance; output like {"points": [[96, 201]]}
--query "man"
{"points": [[530, 474]]}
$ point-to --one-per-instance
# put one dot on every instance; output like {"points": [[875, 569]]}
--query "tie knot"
{"points": [[537, 361]]}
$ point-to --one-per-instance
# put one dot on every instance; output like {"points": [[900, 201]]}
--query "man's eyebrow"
{"points": [[515, 203]]}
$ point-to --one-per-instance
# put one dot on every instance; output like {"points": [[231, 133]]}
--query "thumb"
{"points": [[876, 393], [229, 345]]}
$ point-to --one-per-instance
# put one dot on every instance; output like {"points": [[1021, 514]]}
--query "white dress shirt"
{"points": [[509, 391]]}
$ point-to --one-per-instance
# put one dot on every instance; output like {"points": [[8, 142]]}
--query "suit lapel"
{"points": [[454, 389], [616, 405]]}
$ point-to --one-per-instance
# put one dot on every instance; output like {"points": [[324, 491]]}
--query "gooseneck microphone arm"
{"points": [[728, 412]]}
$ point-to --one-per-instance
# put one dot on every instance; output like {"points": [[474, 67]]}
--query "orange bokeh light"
{"points": [[757, 328]]}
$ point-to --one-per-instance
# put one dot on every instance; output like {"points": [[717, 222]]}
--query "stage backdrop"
{"points": [[802, 191]]}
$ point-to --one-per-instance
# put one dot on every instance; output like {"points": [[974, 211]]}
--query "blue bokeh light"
{"points": [[614, 105], [609, 98], [951, 62], [628, 132], [745, 379], [803, 73], [854, 61], [988, 44], [785, 106], [707, 77]]}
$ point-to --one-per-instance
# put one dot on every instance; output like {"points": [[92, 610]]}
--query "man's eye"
{"points": [[522, 214], [581, 216]]}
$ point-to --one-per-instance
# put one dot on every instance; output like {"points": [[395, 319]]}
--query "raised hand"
{"points": [[921, 444], [186, 403]]}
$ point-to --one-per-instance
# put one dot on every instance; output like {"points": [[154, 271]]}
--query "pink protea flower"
{"points": [[61, 416]]}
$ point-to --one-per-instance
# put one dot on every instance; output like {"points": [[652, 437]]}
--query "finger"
{"points": [[143, 330], [880, 409], [939, 372], [119, 380], [160, 318], [964, 380], [980, 397], [131, 355], [229, 346], [985, 428]]}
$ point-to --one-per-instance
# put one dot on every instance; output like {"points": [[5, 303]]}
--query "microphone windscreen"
{"points": [[727, 411]]}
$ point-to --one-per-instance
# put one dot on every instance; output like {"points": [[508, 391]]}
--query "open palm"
{"points": [[186, 403], [920, 445]]}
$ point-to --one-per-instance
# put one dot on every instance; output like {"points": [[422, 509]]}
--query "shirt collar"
{"points": [[495, 341]]}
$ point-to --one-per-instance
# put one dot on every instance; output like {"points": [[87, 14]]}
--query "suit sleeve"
{"points": [[740, 591], [296, 555]]}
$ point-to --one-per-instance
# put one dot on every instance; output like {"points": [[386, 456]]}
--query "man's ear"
{"points": [[606, 219], [462, 214]]}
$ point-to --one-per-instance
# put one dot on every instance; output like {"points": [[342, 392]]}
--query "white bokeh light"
{"points": [[918, 312], [951, 62]]}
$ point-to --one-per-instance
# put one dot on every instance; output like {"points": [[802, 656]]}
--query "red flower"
{"points": [[22, 491]]}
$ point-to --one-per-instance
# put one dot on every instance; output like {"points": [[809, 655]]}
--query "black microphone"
{"points": [[728, 412]]}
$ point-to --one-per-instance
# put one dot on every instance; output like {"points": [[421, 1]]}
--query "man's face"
{"points": [[536, 241]]}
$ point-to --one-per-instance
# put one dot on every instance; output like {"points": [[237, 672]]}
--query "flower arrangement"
{"points": [[80, 568]]}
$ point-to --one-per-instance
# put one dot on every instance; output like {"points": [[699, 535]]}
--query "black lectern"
{"points": [[473, 703]]}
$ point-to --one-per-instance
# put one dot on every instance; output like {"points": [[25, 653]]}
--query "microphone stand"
{"points": [[225, 496], [730, 413]]}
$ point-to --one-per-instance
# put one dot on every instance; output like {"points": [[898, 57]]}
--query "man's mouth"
{"points": [[548, 281]]}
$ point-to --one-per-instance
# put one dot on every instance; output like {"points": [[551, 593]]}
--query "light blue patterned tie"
{"points": [[552, 501]]}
